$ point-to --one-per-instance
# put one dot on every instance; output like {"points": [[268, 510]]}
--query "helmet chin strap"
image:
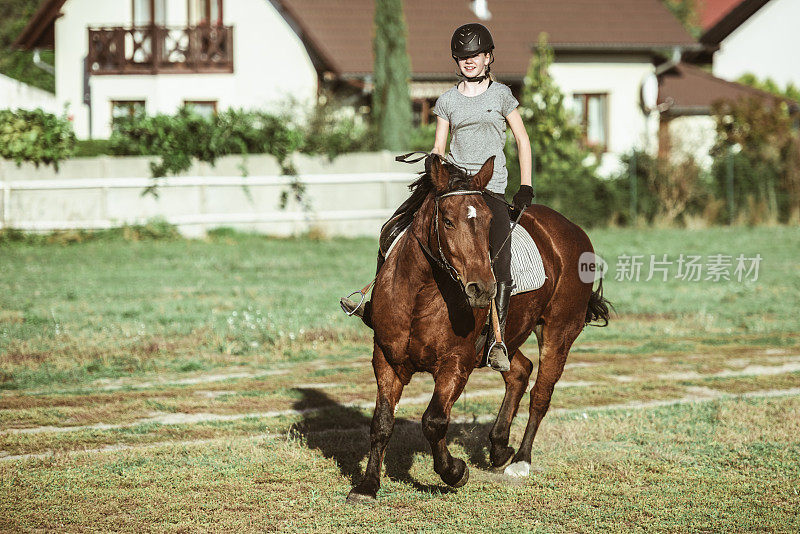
{"points": [[476, 79]]}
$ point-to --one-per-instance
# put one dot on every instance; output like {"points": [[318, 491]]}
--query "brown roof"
{"points": [[340, 40], [732, 20], [343, 38], [40, 32], [684, 89], [711, 11]]}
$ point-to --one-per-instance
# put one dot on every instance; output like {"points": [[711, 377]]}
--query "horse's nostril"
{"points": [[472, 289]]}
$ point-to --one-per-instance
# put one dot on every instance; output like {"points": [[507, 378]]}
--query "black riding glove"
{"points": [[523, 197]]}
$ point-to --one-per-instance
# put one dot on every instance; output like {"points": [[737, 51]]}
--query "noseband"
{"points": [[441, 260]]}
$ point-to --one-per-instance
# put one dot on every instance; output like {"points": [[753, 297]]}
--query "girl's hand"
{"points": [[523, 198]]}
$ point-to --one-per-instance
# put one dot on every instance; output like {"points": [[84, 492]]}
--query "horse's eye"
{"points": [[448, 223]]}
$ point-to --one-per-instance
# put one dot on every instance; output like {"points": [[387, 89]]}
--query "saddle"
{"points": [[390, 231]]}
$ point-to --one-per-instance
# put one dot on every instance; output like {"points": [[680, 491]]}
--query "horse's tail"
{"points": [[598, 309]]}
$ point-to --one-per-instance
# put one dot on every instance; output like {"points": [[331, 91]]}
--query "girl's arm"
{"points": [[523, 146], [440, 141]]}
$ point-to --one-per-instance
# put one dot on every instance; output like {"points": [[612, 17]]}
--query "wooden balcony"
{"points": [[161, 50]]}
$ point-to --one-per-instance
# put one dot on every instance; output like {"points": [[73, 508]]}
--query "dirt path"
{"points": [[699, 396]]}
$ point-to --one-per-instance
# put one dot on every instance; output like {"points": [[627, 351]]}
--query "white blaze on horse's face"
{"points": [[471, 213]]}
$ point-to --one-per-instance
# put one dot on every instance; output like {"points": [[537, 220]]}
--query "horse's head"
{"points": [[459, 231]]}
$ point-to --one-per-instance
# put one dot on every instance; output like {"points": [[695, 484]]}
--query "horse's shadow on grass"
{"points": [[341, 432]]}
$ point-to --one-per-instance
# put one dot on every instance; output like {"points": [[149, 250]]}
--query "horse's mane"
{"points": [[422, 187]]}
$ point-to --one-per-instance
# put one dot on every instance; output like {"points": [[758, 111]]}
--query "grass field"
{"points": [[215, 385]]}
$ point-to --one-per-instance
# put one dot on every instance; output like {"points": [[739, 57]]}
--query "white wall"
{"points": [[693, 137], [270, 64], [628, 127], [17, 95], [352, 195], [766, 44]]}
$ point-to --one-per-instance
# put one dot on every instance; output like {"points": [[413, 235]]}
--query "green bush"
{"points": [[35, 136], [422, 137], [179, 139], [667, 192], [156, 229], [766, 138], [333, 129], [91, 148]]}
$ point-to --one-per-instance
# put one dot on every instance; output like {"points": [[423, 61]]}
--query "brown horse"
{"points": [[430, 302]]}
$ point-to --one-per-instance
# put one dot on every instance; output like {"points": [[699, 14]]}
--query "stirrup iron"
{"points": [[363, 292], [360, 303]]}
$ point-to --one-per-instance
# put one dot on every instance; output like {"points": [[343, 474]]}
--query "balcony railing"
{"points": [[161, 49]]}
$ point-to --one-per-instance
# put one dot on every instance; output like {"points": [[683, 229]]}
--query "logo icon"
{"points": [[591, 267]]}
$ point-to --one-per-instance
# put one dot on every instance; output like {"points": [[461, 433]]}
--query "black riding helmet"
{"points": [[471, 39]]}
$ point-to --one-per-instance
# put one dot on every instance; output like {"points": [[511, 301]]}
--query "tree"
{"points": [[563, 170], [18, 64], [769, 85], [391, 103], [686, 11], [767, 167]]}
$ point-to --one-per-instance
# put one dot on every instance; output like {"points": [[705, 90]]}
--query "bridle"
{"points": [[441, 260]]}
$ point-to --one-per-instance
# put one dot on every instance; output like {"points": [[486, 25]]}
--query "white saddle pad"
{"points": [[527, 269]]}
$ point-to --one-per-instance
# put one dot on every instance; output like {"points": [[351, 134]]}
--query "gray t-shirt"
{"points": [[478, 129]]}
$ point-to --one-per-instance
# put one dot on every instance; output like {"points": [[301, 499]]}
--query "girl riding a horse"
{"points": [[475, 113]]}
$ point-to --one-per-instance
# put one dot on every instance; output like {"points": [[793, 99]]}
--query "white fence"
{"points": [[108, 192]]}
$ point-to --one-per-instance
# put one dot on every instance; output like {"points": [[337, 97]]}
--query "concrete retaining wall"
{"points": [[350, 196]]}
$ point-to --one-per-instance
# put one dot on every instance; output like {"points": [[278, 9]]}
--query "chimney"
{"points": [[481, 9]]}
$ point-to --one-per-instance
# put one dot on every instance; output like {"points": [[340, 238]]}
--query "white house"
{"points": [[740, 36], [116, 56], [603, 52], [758, 37]]}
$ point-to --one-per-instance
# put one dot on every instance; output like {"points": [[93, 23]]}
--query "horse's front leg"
{"points": [[450, 383], [390, 387]]}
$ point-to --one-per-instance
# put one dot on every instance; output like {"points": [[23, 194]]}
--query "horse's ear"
{"points": [[439, 175], [483, 176]]}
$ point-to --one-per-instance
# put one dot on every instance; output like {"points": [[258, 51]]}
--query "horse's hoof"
{"points": [[518, 469], [499, 459], [359, 498], [464, 478], [460, 479]]}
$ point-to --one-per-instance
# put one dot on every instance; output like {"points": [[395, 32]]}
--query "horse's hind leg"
{"points": [[556, 340], [390, 387], [435, 420], [516, 383]]}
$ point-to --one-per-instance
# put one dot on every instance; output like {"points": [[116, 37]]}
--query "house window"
{"points": [[205, 12], [206, 108], [591, 110], [147, 12], [421, 109], [126, 108]]}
